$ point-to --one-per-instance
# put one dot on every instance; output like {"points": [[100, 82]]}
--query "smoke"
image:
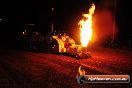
{"points": [[104, 23]]}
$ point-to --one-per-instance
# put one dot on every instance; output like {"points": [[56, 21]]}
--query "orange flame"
{"points": [[86, 27], [81, 71]]}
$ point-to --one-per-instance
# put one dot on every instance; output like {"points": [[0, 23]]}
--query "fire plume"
{"points": [[86, 27]]}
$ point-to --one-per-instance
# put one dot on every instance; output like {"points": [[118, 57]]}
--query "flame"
{"points": [[86, 27], [81, 71]]}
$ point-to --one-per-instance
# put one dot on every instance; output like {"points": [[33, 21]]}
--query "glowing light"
{"points": [[86, 27]]}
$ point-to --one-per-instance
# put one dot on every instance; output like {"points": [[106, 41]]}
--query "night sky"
{"points": [[67, 13]]}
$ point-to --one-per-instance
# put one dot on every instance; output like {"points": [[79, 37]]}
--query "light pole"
{"points": [[52, 23], [113, 34]]}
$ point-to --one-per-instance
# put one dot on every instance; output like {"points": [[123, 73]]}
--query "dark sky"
{"points": [[36, 11], [66, 14], [16, 13]]}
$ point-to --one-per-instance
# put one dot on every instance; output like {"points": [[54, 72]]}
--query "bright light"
{"points": [[86, 27]]}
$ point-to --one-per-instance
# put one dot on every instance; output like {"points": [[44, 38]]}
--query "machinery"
{"points": [[67, 45]]}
